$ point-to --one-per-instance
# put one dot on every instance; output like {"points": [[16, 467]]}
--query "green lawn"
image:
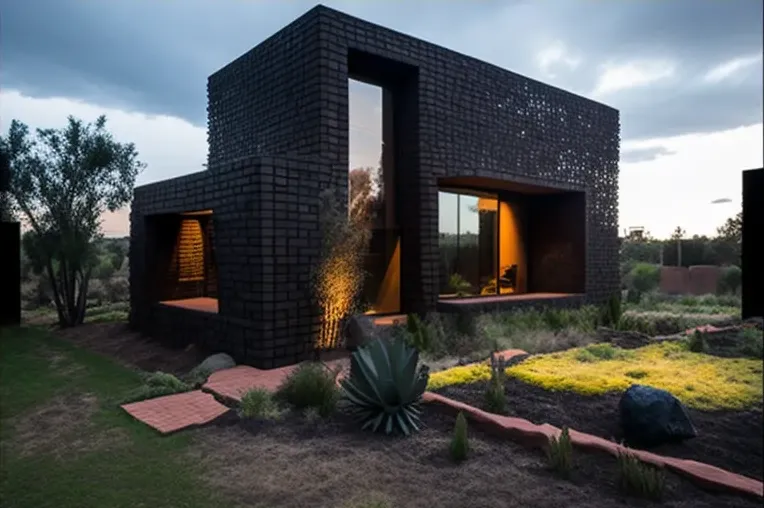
{"points": [[64, 442]]}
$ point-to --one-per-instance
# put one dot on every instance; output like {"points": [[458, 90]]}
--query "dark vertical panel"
{"points": [[10, 274], [556, 247], [753, 243]]}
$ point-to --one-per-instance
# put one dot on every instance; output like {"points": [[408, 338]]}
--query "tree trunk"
{"points": [[82, 297], [56, 294]]}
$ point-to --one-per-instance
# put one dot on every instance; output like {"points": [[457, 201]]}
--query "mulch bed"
{"points": [[731, 440], [417, 471]]}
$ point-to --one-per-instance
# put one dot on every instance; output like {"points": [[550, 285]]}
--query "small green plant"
{"points": [[311, 385], [385, 386], [459, 285], [639, 479], [696, 342], [459, 442], [418, 334], [636, 374], [259, 403], [599, 352], [610, 313], [752, 342], [560, 453], [495, 396], [155, 385]]}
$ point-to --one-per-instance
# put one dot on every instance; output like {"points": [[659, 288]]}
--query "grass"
{"points": [[64, 441], [550, 330], [699, 380]]}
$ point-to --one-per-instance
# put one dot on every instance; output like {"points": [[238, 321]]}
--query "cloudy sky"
{"points": [[685, 74]]}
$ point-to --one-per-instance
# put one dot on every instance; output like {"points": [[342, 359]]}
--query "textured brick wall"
{"points": [[457, 117], [281, 113]]}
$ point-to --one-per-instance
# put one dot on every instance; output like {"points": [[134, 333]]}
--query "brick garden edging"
{"points": [[534, 435]]}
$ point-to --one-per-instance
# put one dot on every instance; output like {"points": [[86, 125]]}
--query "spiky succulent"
{"points": [[385, 386]]}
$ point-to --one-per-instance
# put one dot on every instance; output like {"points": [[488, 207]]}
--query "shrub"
{"points": [[447, 340], [610, 313], [459, 442], [418, 334], [752, 342], [311, 385], [696, 342], [639, 479], [560, 453], [459, 284], [495, 396], [117, 289], [155, 385], [644, 277], [259, 403], [385, 386], [634, 296], [337, 281], [730, 279]]}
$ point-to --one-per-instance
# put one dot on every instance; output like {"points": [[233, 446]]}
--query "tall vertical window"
{"points": [[371, 181]]}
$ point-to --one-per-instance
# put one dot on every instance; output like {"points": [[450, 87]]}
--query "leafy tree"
{"points": [[62, 181], [5, 182], [732, 228]]}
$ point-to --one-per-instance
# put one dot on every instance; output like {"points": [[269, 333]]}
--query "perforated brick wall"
{"points": [[281, 112]]}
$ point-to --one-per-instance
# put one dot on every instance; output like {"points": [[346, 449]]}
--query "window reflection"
{"points": [[468, 227]]}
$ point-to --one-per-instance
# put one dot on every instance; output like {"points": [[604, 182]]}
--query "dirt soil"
{"points": [[132, 349], [299, 462], [731, 440]]}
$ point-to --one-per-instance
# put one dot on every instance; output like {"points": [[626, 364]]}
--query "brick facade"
{"points": [[278, 133]]}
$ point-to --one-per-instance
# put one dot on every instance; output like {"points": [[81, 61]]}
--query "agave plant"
{"points": [[385, 386]]}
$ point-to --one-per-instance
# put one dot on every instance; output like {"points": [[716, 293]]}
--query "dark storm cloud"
{"points": [[644, 154], [155, 56]]}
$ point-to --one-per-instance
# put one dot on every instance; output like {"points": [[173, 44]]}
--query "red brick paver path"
{"points": [[175, 412], [232, 384]]}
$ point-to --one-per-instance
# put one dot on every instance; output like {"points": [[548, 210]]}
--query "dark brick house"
{"points": [[498, 191]]}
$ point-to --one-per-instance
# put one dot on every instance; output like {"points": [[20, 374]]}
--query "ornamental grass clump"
{"points": [[639, 479], [495, 396], [311, 385], [385, 386], [418, 334], [559, 453], [259, 403], [460, 447]]}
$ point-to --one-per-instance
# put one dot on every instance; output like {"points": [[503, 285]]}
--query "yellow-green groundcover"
{"points": [[701, 381]]}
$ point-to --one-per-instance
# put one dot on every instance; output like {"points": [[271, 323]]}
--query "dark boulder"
{"points": [[651, 417], [359, 331]]}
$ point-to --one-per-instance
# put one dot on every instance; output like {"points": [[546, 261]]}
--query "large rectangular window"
{"points": [[469, 239], [180, 260]]}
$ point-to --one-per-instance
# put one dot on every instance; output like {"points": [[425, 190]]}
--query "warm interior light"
{"points": [[389, 295], [512, 246], [190, 251]]}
